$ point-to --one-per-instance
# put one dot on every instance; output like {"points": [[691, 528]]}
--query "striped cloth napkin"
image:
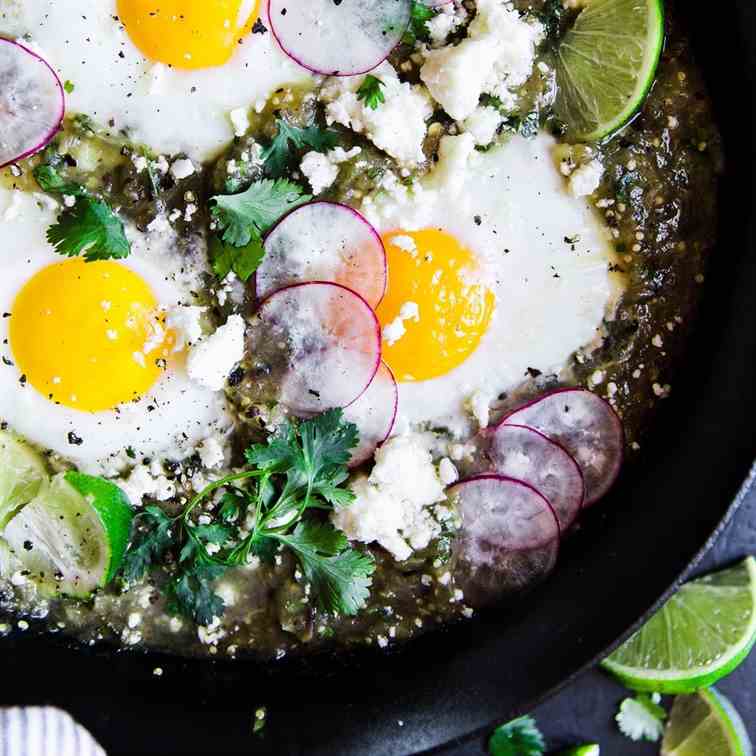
{"points": [[44, 731]]}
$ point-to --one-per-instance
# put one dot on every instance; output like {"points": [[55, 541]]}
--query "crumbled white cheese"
{"points": [[239, 118], [143, 483], [140, 163], [182, 168], [586, 179], [211, 452], [449, 173], [13, 208], [211, 360], [405, 243], [392, 507], [449, 18], [319, 171], [496, 57], [397, 126], [186, 324], [447, 471], [480, 407], [483, 124]]}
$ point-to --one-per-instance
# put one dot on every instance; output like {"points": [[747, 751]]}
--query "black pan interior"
{"points": [[453, 683]]}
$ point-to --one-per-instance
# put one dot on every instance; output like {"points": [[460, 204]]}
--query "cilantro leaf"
{"points": [[245, 217], [243, 261], [51, 181], [90, 228], [279, 155], [192, 595], [420, 14], [327, 441], [519, 737], [370, 91], [151, 538], [340, 576], [641, 718]]}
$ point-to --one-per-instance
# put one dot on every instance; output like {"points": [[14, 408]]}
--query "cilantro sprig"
{"points": [[418, 29], [371, 92], [290, 482], [520, 737], [89, 227], [243, 219], [641, 717], [280, 155]]}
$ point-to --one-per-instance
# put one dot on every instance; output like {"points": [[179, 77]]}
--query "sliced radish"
{"points": [[32, 102], [318, 344], [374, 414], [324, 241], [509, 539], [343, 38], [587, 427], [525, 454]]}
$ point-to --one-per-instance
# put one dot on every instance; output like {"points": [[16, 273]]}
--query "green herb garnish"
{"points": [[290, 482], [371, 93], [519, 737], [69, 86], [89, 227], [420, 14], [641, 718], [290, 140], [247, 216]]}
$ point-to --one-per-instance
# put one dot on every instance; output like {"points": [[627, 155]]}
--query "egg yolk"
{"points": [[87, 335], [188, 33], [435, 311]]}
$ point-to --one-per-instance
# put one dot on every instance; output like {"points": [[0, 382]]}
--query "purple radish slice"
{"points": [[587, 427], [317, 344], [525, 454], [374, 414], [508, 540], [324, 241], [32, 102], [339, 38]]}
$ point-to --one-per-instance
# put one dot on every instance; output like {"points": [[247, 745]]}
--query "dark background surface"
{"points": [[584, 711]]}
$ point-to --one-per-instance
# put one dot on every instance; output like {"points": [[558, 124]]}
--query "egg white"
{"points": [[168, 422], [511, 208], [169, 110]]}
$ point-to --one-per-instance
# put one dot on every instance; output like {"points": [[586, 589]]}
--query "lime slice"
{"points": [[606, 65], [705, 724], [22, 475], [700, 635], [72, 537], [583, 750]]}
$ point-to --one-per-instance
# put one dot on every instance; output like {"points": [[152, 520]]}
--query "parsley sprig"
{"points": [[297, 475], [371, 92], [89, 227]]}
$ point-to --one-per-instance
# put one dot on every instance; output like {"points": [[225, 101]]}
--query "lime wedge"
{"points": [[606, 65], [72, 537], [705, 724], [700, 635], [22, 475]]}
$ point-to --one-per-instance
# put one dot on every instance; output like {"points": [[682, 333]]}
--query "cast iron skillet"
{"points": [[455, 683]]}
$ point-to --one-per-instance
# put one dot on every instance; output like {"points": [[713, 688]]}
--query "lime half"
{"points": [[606, 65], [705, 724], [22, 475], [700, 635], [583, 750], [72, 537]]}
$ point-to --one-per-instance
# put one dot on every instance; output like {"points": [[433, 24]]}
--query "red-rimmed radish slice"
{"points": [[324, 241], [509, 538], [318, 344], [374, 414], [525, 454], [32, 102], [339, 38], [587, 427]]}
